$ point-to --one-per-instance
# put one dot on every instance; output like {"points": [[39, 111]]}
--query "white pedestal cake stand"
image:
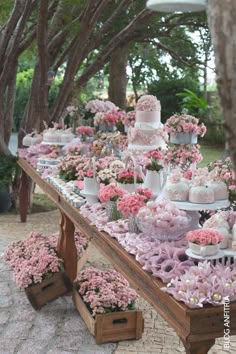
{"points": [[193, 208]]}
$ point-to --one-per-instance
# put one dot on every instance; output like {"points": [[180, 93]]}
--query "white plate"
{"points": [[219, 254]]}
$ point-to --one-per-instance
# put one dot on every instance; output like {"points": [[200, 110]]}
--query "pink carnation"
{"points": [[204, 237]]}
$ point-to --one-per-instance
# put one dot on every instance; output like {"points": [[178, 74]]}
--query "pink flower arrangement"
{"points": [[110, 193], [89, 174], [32, 260], [222, 170], [146, 192], [127, 176], [85, 130], [95, 106], [182, 155], [81, 242], [184, 123], [129, 119], [204, 237], [105, 291], [110, 118], [130, 204], [148, 103], [154, 156]]}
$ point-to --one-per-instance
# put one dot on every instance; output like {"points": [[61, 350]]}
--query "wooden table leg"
{"points": [[201, 347], [23, 196], [66, 246]]}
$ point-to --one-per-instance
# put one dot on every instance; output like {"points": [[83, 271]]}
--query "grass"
{"points": [[41, 203], [210, 153]]}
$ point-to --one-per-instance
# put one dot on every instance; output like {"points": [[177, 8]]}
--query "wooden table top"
{"points": [[191, 325]]}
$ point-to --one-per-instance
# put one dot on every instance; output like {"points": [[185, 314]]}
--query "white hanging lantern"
{"points": [[177, 5]]}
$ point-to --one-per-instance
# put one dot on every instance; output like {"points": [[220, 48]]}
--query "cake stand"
{"points": [[193, 208], [53, 143], [218, 255]]}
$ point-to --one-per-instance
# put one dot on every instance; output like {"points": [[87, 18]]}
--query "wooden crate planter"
{"points": [[83, 259], [50, 289], [111, 327]]}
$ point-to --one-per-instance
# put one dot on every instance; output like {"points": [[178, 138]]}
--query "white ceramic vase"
{"points": [[91, 186], [183, 138], [204, 251], [154, 181]]}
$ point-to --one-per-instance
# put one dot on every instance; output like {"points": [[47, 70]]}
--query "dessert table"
{"points": [[197, 328]]}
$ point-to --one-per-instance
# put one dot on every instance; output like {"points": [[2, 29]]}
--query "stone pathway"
{"points": [[57, 328]]}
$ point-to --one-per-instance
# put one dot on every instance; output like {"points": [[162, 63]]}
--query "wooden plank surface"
{"points": [[192, 325]]}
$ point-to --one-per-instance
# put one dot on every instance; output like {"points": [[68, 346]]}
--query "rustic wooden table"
{"points": [[197, 328]]}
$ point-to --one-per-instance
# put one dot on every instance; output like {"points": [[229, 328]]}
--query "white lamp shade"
{"points": [[177, 5]]}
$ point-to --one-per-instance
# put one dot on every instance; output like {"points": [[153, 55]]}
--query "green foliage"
{"points": [[8, 169], [23, 86], [209, 114], [194, 103], [166, 91]]}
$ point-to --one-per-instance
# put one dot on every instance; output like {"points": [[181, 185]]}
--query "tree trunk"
{"points": [[221, 18], [118, 77]]}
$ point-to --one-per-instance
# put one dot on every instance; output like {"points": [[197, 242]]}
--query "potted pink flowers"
{"points": [[110, 195], [184, 129], [107, 305], [154, 179], [204, 242], [37, 269], [85, 132], [129, 180], [130, 204]]}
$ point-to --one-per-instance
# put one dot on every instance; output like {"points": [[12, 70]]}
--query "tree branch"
{"points": [[122, 37]]}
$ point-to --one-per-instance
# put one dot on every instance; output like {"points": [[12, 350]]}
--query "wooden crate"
{"points": [[83, 259], [111, 327], [50, 289]]}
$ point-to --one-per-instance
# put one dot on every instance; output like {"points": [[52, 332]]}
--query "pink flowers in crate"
{"points": [[184, 123], [148, 103], [105, 291], [110, 193], [130, 204], [204, 237], [32, 260], [127, 176], [182, 155], [84, 130]]}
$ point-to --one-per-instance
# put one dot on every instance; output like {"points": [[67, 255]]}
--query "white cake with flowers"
{"points": [[148, 132]]}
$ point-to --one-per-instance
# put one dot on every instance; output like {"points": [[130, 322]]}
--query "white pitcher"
{"points": [[155, 180]]}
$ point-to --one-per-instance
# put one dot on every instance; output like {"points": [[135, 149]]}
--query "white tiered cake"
{"points": [[148, 132]]}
